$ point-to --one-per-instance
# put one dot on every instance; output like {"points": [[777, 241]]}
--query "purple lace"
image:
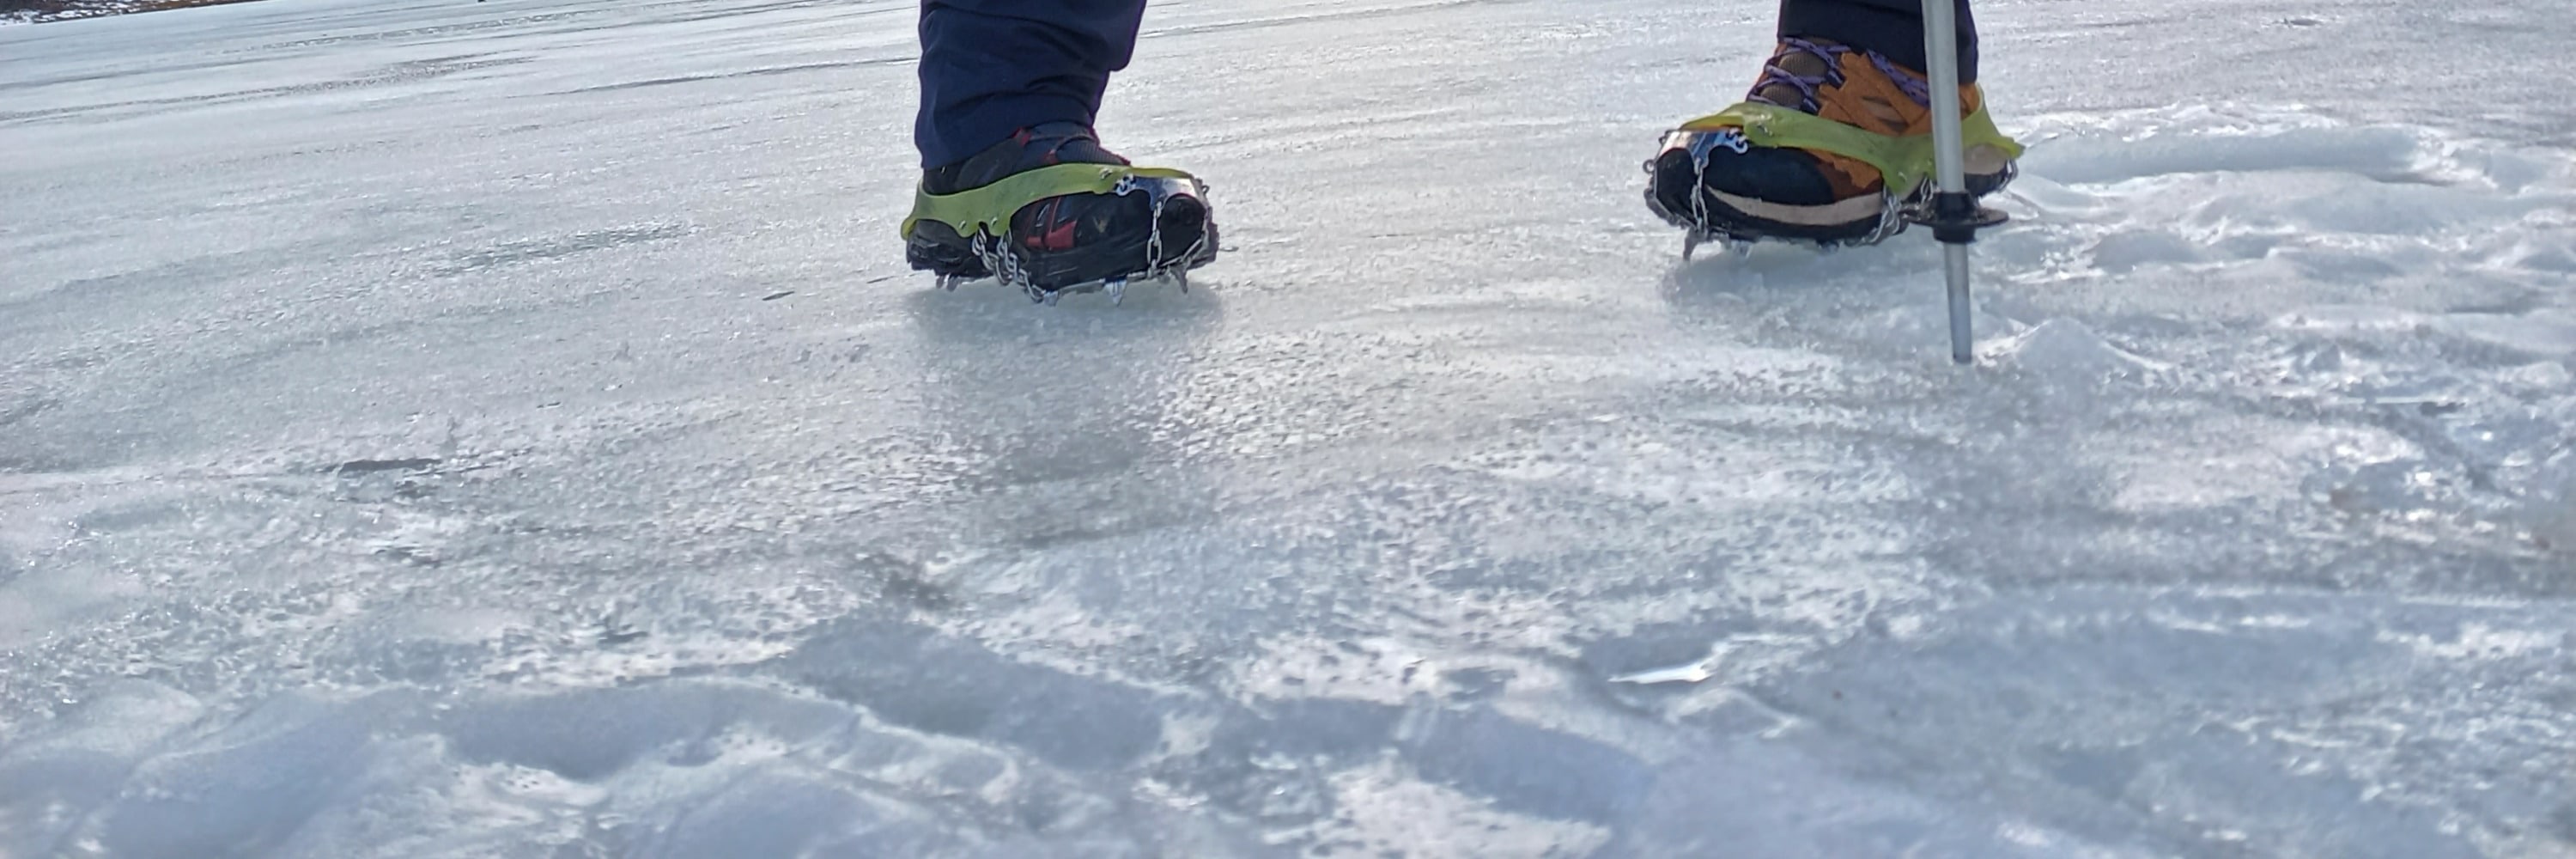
{"points": [[1810, 88], [1810, 97], [1914, 86]]}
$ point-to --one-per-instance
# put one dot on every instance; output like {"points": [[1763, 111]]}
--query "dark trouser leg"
{"points": [[1891, 27], [992, 67]]}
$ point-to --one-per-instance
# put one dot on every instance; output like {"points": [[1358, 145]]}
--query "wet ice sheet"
{"points": [[406, 449]]}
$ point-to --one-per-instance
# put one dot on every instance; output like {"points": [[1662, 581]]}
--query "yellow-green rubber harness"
{"points": [[988, 209], [1902, 162]]}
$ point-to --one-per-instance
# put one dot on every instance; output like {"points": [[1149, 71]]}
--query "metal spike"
{"points": [[1117, 289], [1051, 296], [1690, 245], [1182, 276], [1740, 249]]}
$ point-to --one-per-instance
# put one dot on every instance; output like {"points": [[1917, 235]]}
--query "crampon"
{"points": [[1066, 229], [1707, 216]]}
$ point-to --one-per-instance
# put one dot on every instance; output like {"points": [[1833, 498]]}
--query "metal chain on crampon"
{"points": [[1154, 197], [1159, 261], [1178, 265], [1005, 265], [1891, 218], [1701, 147], [1699, 200]]}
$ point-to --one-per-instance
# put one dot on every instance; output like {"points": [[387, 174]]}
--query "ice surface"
{"points": [[508, 429]]}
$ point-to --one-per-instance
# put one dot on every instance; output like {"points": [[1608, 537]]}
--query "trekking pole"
{"points": [[1954, 218]]}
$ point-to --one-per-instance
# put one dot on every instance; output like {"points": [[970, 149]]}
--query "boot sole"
{"points": [[1747, 218]]}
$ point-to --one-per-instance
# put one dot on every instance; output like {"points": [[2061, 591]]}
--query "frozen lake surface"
{"points": [[508, 429]]}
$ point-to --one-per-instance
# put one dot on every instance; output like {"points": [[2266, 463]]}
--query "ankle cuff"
{"points": [[1892, 28]]}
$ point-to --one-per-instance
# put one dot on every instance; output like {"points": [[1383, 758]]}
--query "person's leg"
{"points": [[992, 67], [1891, 28], [1010, 91]]}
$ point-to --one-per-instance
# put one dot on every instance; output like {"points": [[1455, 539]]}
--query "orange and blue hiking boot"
{"points": [[1832, 147]]}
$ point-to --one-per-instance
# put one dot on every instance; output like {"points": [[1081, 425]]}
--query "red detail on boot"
{"points": [[1057, 239]]}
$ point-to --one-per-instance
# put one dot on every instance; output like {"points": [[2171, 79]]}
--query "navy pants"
{"points": [[991, 67]]}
